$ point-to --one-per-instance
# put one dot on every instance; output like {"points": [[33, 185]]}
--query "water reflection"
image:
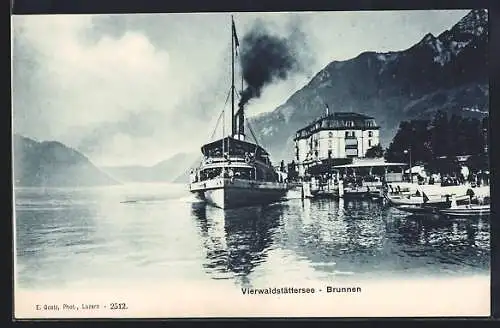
{"points": [[452, 242], [236, 241], [71, 236], [343, 237], [336, 237], [361, 236]]}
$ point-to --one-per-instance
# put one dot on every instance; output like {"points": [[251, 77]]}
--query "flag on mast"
{"points": [[327, 109], [235, 36]]}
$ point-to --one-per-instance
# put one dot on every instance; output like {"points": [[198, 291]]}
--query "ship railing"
{"points": [[234, 159], [221, 159]]}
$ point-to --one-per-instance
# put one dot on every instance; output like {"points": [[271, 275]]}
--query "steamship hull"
{"points": [[227, 193]]}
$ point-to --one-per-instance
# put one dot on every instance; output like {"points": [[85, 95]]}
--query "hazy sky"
{"points": [[136, 89]]}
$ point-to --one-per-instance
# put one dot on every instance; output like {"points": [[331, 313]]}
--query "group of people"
{"points": [[347, 179], [455, 179], [207, 174]]}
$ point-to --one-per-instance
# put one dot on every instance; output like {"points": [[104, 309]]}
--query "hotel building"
{"points": [[337, 138]]}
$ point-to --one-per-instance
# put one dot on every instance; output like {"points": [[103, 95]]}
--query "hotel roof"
{"points": [[348, 115], [338, 121]]}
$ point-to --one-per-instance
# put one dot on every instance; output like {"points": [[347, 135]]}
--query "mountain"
{"points": [[447, 72], [52, 164], [169, 170]]}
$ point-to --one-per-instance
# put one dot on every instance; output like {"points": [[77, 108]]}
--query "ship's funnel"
{"points": [[240, 120]]}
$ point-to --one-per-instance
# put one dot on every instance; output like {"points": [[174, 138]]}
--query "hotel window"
{"points": [[370, 134], [349, 134], [369, 142], [330, 144]]}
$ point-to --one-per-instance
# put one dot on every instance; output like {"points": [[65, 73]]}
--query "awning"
{"points": [[368, 164], [416, 169], [326, 165]]}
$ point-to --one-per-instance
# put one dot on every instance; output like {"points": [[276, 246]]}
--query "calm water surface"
{"points": [[155, 233]]}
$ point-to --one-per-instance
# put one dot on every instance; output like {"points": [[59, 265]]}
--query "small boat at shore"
{"points": [[356, 191], [424, 200], [479, 205], [423, 204], [469, 210], [371, 192], [474, 202], [418, 209]]}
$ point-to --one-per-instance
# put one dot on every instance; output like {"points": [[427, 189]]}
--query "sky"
{"points": [[137, 89]]}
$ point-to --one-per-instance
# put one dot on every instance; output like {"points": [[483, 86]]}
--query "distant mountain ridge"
{"points": [[52, 164], [448, 72], [173, 169]]}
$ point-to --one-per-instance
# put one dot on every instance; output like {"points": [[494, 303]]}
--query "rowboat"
{"points": [[424, 204], [468, 210]]}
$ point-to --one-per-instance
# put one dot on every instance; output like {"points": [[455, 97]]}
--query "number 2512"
{"points": [[118, 306]]}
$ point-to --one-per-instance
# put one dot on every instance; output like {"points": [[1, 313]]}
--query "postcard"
{"points": [[251, 164]]}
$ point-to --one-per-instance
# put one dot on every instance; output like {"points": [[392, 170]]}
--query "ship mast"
{"points": [[238, 125], [233, 128]]}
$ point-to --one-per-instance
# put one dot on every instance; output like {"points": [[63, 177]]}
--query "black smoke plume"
{"points": [[265, 58]]}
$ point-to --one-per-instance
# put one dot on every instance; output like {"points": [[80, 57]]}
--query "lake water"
{"points": [[125, 234]]}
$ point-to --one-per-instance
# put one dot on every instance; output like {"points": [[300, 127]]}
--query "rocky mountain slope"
{"points": [[447, 72]]}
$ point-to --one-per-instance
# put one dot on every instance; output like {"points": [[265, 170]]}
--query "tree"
{"points": [[375, 152], [412, 135], [440, 137], [439, 134]]}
